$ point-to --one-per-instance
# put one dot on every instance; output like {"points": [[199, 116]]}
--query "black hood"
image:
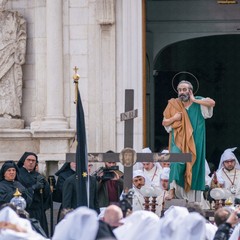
{"points": [[23, 158], [6, 166]]}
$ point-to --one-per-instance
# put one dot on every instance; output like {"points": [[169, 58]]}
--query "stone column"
{"points": [[54, 107], [129, 64], [51, 132], [102, 117]]}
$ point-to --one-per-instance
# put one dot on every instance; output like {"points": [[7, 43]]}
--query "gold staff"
{"points": [[75, 80]]}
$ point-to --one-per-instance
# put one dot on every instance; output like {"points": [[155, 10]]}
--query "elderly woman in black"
{"points": [[9, 184]]}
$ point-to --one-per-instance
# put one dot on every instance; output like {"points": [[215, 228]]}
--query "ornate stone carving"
{"points": [[105, 12], [12, 56]]}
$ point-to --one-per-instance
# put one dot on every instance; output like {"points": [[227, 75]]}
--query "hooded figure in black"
{"points": [[63, 173], [69, 196], [9, 184], [31, 179]]}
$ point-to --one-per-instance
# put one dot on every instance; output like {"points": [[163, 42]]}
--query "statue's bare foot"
{"points": [[170, 194]]}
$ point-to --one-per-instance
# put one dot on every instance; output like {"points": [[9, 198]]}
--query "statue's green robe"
{"points": [[193, 125]]}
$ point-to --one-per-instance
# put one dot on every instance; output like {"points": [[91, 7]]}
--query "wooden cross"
{"points": [[128, 117], [140, 157]]}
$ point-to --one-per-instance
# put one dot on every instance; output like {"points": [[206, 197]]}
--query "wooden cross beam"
{"points": [[140, 157]]}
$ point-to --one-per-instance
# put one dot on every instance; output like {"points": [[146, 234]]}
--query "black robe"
{"points": [[105, 231], [41, 199], [69, 197], [8, 188], [63, 173]]}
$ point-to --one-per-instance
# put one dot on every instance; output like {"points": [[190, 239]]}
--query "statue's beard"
{"points": [[184, 97]]}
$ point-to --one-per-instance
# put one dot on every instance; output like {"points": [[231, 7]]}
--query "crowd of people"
{"points": [[141, 212], [110, 220], [33, 186]]}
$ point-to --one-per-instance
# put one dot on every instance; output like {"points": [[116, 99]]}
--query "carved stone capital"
{"points": [[105, 12]]}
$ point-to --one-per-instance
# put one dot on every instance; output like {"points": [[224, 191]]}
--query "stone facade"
{"points": [[104, 39], [96, 36]]}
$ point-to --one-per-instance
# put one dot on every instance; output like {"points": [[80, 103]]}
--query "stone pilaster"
{"points": [[129, 64], [54, 116]]}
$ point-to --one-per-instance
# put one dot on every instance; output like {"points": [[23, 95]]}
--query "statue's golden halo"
{"points": [[183, 75]]}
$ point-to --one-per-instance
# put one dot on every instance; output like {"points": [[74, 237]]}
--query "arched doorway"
{"points": [[215, 61]]}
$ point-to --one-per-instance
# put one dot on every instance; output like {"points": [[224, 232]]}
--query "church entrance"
{"points": [[215, 61]]}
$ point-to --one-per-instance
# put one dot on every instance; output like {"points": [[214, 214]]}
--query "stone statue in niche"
{"points": [[12, 57]]}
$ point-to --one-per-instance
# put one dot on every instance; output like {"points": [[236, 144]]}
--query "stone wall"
{"points": [[88, 34]]}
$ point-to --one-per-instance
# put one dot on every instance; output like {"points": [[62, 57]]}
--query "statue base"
{"points": [[11, 123]]}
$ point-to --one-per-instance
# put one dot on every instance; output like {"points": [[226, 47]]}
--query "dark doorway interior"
{"points": [[215, 61]]}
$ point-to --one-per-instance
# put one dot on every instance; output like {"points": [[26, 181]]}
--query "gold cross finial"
{"points": [[75, 69], [76, 75]]}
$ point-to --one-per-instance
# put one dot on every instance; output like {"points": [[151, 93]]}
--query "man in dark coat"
{"points": [[110, 186], [69, 196], [30, 178], [9, 184]]}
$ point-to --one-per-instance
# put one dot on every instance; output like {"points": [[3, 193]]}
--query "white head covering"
{"points": [[170, 221], [139, 225], [146, 150], [141, 173], [9, 215], [165, 173], [164, 151], [171, 225], [157, 164], [139, 165], [82, 223], [227, 155], [194, 228]]}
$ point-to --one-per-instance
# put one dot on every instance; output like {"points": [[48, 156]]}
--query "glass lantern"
{"points": [[18, 201]]}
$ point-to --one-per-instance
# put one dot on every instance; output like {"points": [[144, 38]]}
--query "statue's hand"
{"points": [[178, 116], [192, 98]]}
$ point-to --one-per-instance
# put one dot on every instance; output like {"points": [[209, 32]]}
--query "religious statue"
{"points": [[184, 120], [12, 56]]}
